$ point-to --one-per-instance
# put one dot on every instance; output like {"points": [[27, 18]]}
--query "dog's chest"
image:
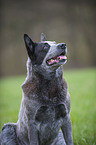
{"points": [[49, 120], [50, 113]]}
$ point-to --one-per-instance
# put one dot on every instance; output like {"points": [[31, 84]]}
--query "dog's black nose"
{"points": [[62, 46]]}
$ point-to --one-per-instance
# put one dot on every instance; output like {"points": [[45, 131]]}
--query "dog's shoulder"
{"points": [[28, 86]]}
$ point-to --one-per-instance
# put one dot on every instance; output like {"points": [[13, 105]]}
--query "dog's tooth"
{"points": [[51, 61]]}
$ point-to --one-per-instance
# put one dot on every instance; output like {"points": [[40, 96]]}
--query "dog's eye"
{"points": [[46, 46]]}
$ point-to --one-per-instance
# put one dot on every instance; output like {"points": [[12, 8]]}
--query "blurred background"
{"points": [[72, 22]]}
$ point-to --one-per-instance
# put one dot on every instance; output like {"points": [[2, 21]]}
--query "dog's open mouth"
{"points": [[61, 58]]}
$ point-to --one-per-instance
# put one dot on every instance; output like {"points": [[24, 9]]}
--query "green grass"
{"points": [[82, 88]]}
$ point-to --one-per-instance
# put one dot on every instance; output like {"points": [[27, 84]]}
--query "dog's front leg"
{"points": [[32, 134], [67, 130]]}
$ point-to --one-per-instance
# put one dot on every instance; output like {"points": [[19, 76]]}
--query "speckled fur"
{"points": [[45, 108]]}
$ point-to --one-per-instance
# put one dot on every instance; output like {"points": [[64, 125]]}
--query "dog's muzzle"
{"points": [[61, 57]]}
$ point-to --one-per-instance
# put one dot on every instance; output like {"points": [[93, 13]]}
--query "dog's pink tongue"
{"points": [[61, 57], [56, 59]]}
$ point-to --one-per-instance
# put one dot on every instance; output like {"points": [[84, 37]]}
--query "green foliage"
{"points": [[82, 90]]}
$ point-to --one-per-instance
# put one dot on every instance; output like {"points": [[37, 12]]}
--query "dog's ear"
{"points": [[29, 45], [43, 38]]}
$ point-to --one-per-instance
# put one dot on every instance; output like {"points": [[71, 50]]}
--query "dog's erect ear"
{"points": [[43, 38], [29, 45]]}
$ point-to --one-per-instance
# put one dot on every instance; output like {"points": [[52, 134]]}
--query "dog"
{"points": [[44, 117]]}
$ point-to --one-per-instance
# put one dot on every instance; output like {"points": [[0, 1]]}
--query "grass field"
{"points": [[82, 88]]}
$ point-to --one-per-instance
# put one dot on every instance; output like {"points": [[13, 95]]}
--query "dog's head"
{"points": [[45, 55], [48, 52]]}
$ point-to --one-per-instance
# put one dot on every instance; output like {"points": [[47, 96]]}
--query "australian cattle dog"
{"points": [[44, 117]]}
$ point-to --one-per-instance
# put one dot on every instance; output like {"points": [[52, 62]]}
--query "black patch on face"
{"points": [[40, 51], [36, 51]]}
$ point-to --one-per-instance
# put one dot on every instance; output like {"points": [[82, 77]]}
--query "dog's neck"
{"points": [[29, 69], [38, 72]]}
